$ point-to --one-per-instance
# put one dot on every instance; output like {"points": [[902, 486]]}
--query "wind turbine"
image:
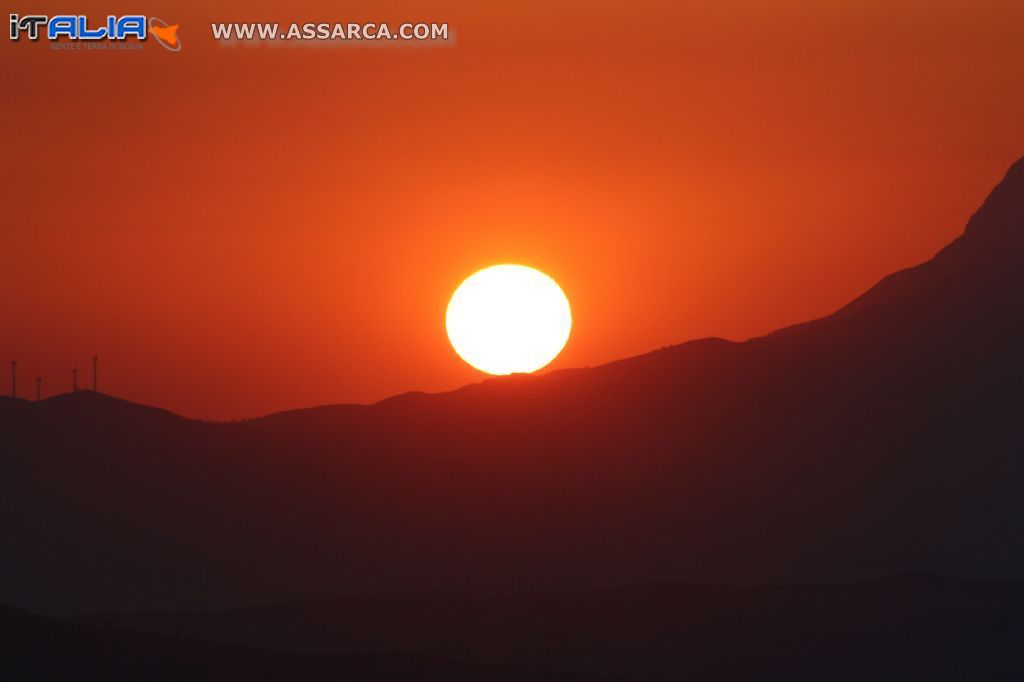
{"points": [[14, 378], [95, 361], [74, 379], [39, 380]]}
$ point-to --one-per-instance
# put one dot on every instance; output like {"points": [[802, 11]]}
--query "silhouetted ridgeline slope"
{"points": [[884, 438], [35, 648], [912, 627]]}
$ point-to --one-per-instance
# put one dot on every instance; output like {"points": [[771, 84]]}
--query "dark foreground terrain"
{"points": [[38, 648], [906, 628], [912, 627]]}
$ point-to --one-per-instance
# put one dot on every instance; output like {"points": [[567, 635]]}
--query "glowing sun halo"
{"points": [[508, 318]]}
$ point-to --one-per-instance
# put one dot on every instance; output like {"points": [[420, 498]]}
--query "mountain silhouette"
{"points": [[885, 438], [37, 648], [909, 627]]}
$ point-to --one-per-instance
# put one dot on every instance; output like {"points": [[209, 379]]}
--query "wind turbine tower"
{"points": [[95, 361], [14, 378], [39, 380], [74, 379]]}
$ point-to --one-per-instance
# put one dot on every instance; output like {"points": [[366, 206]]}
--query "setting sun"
{"points": [[508, 318]]}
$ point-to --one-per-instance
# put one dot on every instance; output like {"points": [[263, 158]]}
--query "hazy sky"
{"points": [[243, 230]]}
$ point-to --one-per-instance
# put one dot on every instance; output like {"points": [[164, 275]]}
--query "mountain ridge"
{"points": [[881, 440], [1005, 232]]}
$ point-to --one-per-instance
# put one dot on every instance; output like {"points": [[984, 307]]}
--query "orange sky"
{"points": [[243, 230]]}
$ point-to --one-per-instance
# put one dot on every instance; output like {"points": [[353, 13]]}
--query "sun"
{"points": [[508, 318]]}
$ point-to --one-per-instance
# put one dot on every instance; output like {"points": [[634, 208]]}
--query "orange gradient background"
{"points": [[239, 230]]}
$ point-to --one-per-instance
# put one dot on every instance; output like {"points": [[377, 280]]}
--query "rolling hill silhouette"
{"points": [[36, 648], [910, 627], [884, 438]]}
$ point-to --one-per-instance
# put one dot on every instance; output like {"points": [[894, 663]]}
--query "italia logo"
{"points": [[78, 27]]}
